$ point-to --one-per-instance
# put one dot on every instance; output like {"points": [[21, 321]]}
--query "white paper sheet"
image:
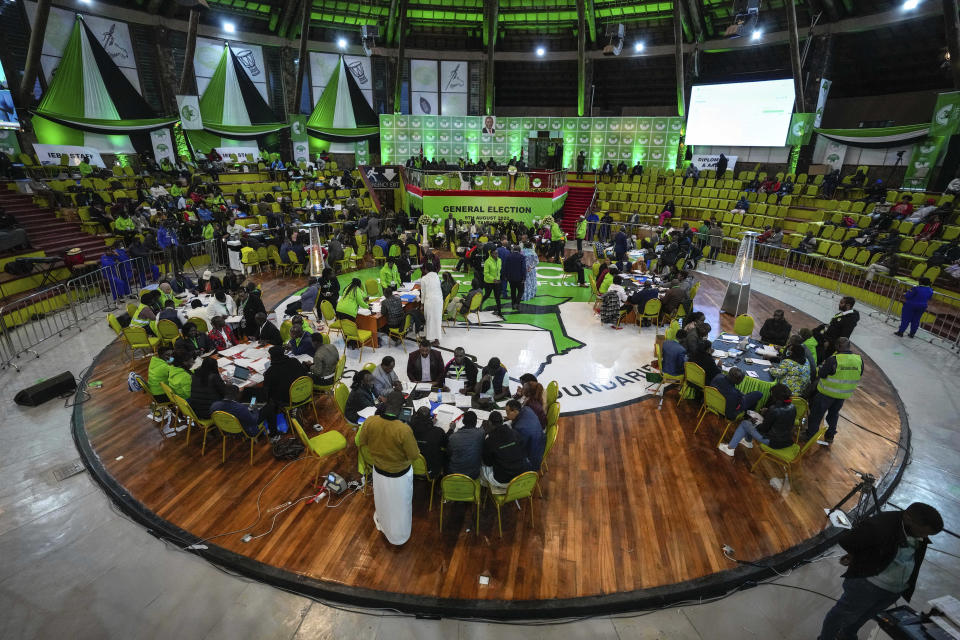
{"points": [[462, 401], [366, 412], [422, 402]]}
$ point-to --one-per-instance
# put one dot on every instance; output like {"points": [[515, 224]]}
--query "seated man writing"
{"points": [[425, 365]]}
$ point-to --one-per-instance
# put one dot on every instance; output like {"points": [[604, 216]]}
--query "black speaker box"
{"points": [[49, 389]]}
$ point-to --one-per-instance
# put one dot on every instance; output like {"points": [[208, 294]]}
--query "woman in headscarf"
{"points": [[530, 261]]}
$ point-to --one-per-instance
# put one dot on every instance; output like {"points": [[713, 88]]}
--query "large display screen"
{"points": [[745, 114], [8, 113]]}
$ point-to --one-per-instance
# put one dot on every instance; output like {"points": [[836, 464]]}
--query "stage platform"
{"points": [[635, 506]]}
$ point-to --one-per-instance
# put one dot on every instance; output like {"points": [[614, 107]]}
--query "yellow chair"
{"points": [[553, 430], [340, 394], [378, 257], [693, 291], [294, 265], [338, 373], [803, 408], [115, 325], [553, 390], [714, 403], [200, 324], [347, 259], [320, 446], [420, 470], [401, 334], [693, 376], [372, 285], [457, 487], [131, 309], [351, 332], [228, 424], [250, 259], [191, 417], [157, 409], [301, 395], [167, 331], [788, 456], [665, 378], [330, 316], [651, 312], [137, 338], [519, 488], [743, 325]]}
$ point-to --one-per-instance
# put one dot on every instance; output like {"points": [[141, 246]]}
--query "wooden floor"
{"points": [[633, 499]]}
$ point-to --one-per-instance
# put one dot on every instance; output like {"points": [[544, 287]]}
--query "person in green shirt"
{"points": [[124, 224], [607, 280], [491, 280], [178, 375], [581, 232], [159, 371], [84, 166], [351, 300], [558, 240], [208, 231], [389, 275]]}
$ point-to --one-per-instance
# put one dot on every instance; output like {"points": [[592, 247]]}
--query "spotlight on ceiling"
{"points": [[757, 34], [541, 51], [342, 43], [638, 47], [745, 16], [86, 1], [909, 5], [229, 27]]}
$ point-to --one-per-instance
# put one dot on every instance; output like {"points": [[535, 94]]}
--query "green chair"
{"points": [[372, 285], [552, 433], [803, 408], [351, 332], [301, 395], [693, 376], [714, 403], [420, 470], [457, 487], [743, 325], [200, 324], [167, 331], [341, 365], [788, 456], [553, 390], [519, 488], [115, 325], [329, 316], [228, 424], [320, 446], [340, 394], [651, 312], [191, 417], [378, 257], [401, 333], [137, 338]]}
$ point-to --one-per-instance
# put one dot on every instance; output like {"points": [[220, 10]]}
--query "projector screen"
{"points": [[745, 114]]}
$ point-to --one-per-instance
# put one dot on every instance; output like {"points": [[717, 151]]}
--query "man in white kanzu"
{"points": [[432, 298]]}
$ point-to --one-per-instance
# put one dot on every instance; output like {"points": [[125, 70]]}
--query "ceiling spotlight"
{"points": [[757, 34], [229, 27], [541, 51], [638, 47], [86, 1], [909, 5], [342, 43]]}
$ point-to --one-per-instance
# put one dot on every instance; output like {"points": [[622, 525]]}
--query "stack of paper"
{"points": [[462, 401], [304, 358], [233, 350], [422, 402], [753, 374], [366, 412]]}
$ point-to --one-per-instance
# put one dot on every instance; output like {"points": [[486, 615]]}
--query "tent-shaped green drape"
{"points": [[342, 113], [89, 93], [232, 107]]}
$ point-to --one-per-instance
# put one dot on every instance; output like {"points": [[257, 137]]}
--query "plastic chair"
{"points": [[519, 488], [665, 378], [330, 316], [803, 409], [320, 446], [301, 394], [115, 325], [351, 332], [552, 433], [200, 324], [294, 265], [714, 403], [373, 287], [191, 417], [378, 257], [338, 373], [651, 312], [693, 376], [474, 308], [743, 325], [553, 390], [420, 470], [228, 424], [457, 487], [340, 394]]}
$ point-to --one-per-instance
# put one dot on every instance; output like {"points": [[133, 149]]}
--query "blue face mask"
{"points": [[170, 359]]}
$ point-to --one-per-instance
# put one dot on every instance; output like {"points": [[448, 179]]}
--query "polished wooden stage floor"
{"points": [[633, 499]]}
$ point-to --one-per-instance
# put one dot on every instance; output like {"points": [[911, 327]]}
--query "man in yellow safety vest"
{"points": [[839, 376]]}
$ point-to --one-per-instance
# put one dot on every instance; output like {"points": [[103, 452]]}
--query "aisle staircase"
{"points": [[578, 199], [46, 231]]}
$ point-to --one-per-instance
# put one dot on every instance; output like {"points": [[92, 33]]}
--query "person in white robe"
{"points": [[431, 295]]}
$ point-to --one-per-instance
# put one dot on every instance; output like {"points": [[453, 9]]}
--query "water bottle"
{"points": [[440, 395]]}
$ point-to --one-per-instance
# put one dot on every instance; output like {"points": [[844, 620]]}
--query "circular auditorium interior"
{"points": [[482, 310]]}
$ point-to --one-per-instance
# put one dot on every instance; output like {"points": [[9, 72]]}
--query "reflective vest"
{"points": [[843, 382], [811, 344], [136, 320]]}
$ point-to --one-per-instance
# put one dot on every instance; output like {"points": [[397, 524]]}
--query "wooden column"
{"points": [[187, 84], [32, 66], [791, 9], [951, 16], [581, 58], [492, 10], [678, 54], [303, 55]]}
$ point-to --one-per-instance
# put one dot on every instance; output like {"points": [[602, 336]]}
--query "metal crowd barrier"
{"points": [[46, 315]]}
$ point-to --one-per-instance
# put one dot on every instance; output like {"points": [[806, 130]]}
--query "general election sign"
{"points": [[709, 161], [484, 208]]}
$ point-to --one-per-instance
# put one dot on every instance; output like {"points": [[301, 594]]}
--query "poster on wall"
{"points": [[946, 115], [822, 100], [207, 57], [453, 87], [9, 144], [163, 145], [709, 161], [298, 136], [322, 66], [834, 154], [189, 109], [52, 154], [922, 161], [112, 34], [423, 75]]}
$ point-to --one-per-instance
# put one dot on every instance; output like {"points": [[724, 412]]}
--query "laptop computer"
{"points": [[240, 374]]}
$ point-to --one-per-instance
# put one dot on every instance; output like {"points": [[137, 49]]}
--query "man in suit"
{"points": [[425, 365], [264, 331]]}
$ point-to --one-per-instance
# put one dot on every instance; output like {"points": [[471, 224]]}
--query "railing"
{"points": [[499, 179], [34, 319]]}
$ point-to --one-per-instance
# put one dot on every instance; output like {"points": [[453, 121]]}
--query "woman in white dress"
{"points": [[431, 295]]}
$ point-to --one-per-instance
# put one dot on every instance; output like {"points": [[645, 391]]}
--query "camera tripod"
{"points": [[867, 489]]}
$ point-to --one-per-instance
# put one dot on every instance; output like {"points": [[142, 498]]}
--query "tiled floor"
{"points": [[70, 566]]}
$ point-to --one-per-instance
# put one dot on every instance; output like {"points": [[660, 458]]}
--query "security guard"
{"points": [[839, 376]]}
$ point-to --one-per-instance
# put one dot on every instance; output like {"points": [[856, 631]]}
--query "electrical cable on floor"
{"points": [[879, 435], [284, 509]]}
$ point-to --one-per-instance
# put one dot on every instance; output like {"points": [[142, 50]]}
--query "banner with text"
{"points": [[298, 136], [51, 154], [709, 161], [162, 145], [822, 101], [488, 208]]}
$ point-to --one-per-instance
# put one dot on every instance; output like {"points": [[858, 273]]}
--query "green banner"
{"points": [[801, 129], [922, 162], [9, 143], [946, 115], [298, 136], [488, 208]]}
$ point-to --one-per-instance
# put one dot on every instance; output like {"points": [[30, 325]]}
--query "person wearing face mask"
{"points": [[158, 372]]}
